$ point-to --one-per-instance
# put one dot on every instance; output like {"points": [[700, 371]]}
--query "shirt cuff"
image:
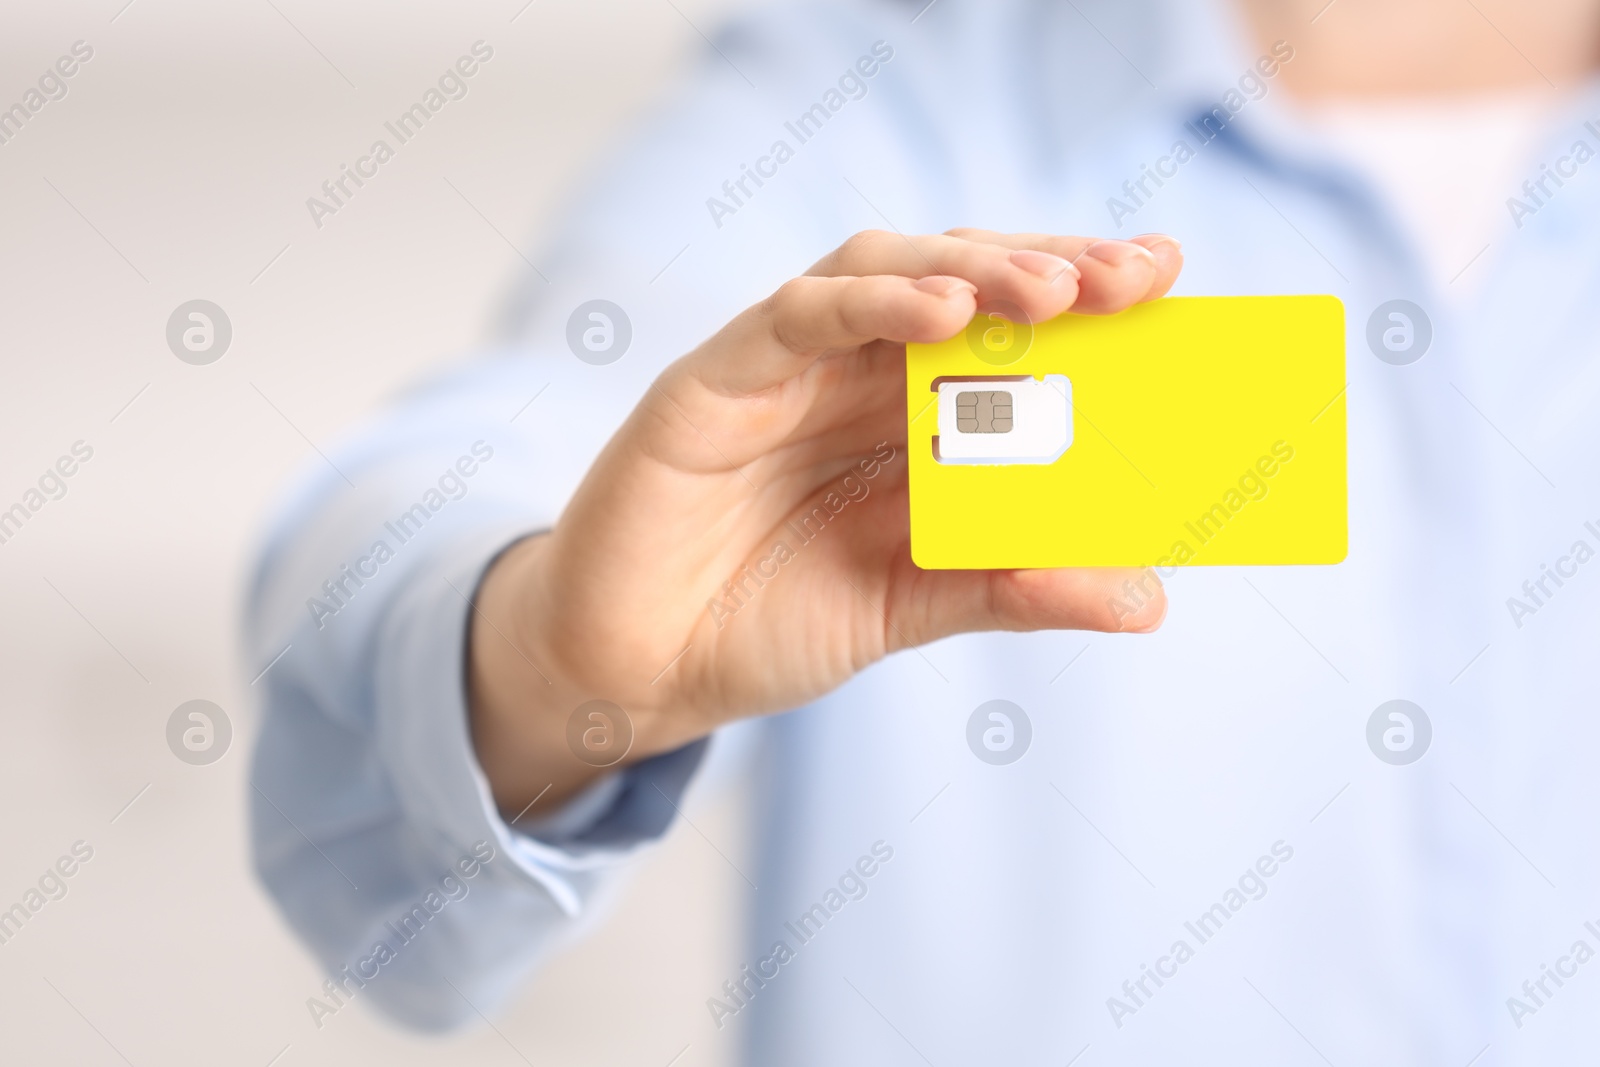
{"points": [[426, 744]]}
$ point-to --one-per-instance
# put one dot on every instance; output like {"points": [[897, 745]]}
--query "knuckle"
{"points": [[782, 308], [862, 243], [856, 305], [783, 299]]}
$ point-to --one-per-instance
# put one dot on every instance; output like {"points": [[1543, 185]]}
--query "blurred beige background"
{"points": [[177, 167]]}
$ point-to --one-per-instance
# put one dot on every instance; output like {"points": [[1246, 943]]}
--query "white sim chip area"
{"points": [[1004, 420]]}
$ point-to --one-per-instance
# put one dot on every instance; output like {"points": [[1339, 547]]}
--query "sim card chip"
{"points": [[987, 412], [1000, 420]]}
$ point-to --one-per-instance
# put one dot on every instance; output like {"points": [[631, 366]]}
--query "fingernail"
{"points": [[1046, 266], [1161, 239], [944, 285], [1118, 253], [1141, 622]]}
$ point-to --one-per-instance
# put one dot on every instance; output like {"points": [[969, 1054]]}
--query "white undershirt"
{"points": [[1446, 165]]}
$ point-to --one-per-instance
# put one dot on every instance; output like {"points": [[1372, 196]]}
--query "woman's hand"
{"points": [[627, 598]]}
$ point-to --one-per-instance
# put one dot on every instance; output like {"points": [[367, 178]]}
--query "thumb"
{"points": [[935, 604]]}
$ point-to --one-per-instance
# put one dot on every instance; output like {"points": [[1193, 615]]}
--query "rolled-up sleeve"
{"points": [[366, 791]]}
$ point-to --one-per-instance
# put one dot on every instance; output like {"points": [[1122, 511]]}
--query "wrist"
{"points": [[515, 695], [553, 704]]}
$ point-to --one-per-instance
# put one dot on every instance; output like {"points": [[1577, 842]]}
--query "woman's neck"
{"points": [[1387, 48]]}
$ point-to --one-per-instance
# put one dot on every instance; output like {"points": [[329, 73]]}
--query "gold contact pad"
{"points": [[983, 412]]}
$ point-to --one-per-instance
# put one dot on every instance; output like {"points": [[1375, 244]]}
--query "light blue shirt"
{"points": [[1211, 786]]}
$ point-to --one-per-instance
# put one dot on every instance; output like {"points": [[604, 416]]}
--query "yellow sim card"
{"points": [[1186, 431]]}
